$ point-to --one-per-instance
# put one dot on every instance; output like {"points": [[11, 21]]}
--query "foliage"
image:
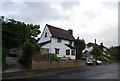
{"points": [[4, 54], [53, 56], [36, 49], [114, 52], [46, 56], [103, 58], [15, 33], [79, 46], [96, 51], [27, 47]]}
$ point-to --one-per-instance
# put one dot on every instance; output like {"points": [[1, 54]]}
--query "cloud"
{"points": [[90, 15], [68, 5], [32, 12], [109, 5], [91, 19]]}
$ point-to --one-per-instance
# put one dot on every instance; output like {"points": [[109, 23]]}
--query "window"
{"points": [[72, 52], [59, 40], [43, 50], [70, 42], [57, 51], [46, 34], [67, 52]]}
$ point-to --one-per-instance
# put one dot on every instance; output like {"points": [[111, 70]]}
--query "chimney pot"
{"points": [[95, 41]]}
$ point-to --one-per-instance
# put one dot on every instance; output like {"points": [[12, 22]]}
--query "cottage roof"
{"points": [[60, 33], [90, 44]]}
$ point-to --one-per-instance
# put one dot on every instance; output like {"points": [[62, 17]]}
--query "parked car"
{"points": [[13, 53], [89, 61], [98, 62]]}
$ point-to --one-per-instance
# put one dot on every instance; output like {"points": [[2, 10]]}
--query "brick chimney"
{"points": [[95, 41], [70, 31], [101, 44]]}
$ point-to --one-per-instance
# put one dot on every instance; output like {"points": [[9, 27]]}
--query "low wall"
{"points": [[56, 64], [40, 63]]}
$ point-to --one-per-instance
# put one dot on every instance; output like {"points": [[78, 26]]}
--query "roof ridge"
{"points": [[56, 27], [60, 33]]}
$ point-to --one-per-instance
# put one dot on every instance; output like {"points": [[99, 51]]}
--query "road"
{"points": [[108, 71]]}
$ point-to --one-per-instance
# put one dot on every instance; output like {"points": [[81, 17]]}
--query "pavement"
{"points": [[108, 71]]}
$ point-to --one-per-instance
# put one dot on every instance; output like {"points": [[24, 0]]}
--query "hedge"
{"points": [[53, 56]]}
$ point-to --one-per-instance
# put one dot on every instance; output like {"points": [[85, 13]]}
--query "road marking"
{"points": [[38, 75], [44, 74]]}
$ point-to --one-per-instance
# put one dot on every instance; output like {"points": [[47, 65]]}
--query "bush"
{"points": [[108, 57], [103, 58], [27, 47], [4, 54], [53, 56], [46, 56]]}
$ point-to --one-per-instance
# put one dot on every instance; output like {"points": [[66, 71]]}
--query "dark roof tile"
{"points": [[60, 33]]}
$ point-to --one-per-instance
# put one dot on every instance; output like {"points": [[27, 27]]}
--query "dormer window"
{"points": [[46, 34], [59, 40]]}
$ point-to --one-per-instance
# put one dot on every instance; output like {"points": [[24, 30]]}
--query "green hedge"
{"points": [[53, 56], [103, 58]]}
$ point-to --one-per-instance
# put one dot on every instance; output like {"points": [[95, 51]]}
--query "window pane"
{"points": [[57, 51], [67, 52], [59, 40], [73, 52], [45, 34]]}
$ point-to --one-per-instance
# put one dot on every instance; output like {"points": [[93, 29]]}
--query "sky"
{"points": [[89, 19]]}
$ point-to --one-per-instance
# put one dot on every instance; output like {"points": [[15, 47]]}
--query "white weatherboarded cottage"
{"points": [[57, 40]]}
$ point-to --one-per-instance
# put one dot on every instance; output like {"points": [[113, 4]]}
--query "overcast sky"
{"points": [[91, 19]]}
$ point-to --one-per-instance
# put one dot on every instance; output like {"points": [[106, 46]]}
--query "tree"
{"points": [[96, 51], [114, 52], [79, 46], [26, 59], [15, 33]]}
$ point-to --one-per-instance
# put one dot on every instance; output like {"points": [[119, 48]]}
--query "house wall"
{"points": [[88, 48], [43, 38], [61, 46], [54, 44]]}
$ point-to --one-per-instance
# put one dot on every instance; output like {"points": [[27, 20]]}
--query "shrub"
{"points": [[46, 56], [108, 57], [103, 58], [53, 56], [27, 47]]}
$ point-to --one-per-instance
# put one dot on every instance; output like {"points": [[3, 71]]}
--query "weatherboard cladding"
{"points": [[60, 33]]}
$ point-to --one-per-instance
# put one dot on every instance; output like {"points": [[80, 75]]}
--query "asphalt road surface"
{"points": [[108, 71]]}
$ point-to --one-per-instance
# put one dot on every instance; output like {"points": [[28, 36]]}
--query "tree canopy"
{"points": [[15, 33], [79, 46], [96, 51], [114, 52]]}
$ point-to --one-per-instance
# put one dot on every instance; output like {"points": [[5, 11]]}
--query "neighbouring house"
{"points": [[58, 41], [89, 47], [104, 49]]}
